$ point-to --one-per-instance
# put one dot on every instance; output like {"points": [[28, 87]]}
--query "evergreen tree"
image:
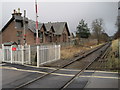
{"points": [[82, 30]]}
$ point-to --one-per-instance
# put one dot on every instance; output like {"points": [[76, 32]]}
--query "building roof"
{"points": [[10, 43], [58, 27], [6, 25], [48, 26], [32, 25]]}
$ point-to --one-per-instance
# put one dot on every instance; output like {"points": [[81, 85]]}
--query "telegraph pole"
{"points": [[37, 39], [24, 36]]}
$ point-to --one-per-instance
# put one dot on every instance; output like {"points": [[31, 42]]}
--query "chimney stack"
{"points": [[16, 13], [18, 18]]}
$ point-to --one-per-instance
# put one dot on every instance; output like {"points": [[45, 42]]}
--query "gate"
{"points": [[18, 55], [6, 53]]}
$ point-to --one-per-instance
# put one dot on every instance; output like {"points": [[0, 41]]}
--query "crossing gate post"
{"points": [[11, 54], [38, 57], [22, 54], [3, 54], [29, 55]]}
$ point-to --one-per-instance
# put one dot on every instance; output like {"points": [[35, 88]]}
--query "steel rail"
{"points": [[102, 57], [97, 66]]}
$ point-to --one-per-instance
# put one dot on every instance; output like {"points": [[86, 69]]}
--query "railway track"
{"points": [[101, 48], [102, 55], [98, 65]]}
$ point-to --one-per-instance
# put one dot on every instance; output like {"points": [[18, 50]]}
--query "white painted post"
{"points": [[22, 54], [29, 55], [55, 51], [3, 54], [11, 54], [43, 60], [59, 51], [48, 53], [38, 57]]}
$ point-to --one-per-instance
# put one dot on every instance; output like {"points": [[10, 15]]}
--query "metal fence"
{"points": [[20, 55], [30, 54], [64, 44], [1, 55], [47, 54], [6, 53]]}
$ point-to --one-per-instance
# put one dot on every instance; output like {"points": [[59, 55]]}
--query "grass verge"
{"points": [[113, 62], [71, 51]]}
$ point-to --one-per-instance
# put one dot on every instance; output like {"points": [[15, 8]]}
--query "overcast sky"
{"points": [[71, 12]]}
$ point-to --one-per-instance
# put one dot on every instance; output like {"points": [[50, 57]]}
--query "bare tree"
{"points": [[97, 28]]}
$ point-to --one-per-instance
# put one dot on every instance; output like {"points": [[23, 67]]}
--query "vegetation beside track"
{"points": [[113, 62], [71, 51], [110, 62]]}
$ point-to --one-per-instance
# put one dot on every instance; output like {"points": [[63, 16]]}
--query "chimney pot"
{"points": [[18, 10], [14, 11]]}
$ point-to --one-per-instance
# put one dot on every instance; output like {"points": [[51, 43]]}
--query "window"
{"points": [[41, 37], [50, 38], [19, 33], [18, 42], [64, 38]]}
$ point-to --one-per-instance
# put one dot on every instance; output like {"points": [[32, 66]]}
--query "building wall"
{"points": [[64, 36], [58, 38], [30, 38], [51, 36], [10, 34], [48, 38]]}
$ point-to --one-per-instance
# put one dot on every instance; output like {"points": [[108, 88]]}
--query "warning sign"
{"points": [[14, 49]]}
